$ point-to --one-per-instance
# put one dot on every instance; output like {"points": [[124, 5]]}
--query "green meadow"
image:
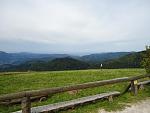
{"points": [[23, 81]]}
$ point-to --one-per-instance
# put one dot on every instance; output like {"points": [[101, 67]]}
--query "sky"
{"points": [[74, 26]]}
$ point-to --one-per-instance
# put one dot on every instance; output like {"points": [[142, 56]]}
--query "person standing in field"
{"points": [[101, 66]]}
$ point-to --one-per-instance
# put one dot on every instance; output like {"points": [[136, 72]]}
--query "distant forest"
{"points": [[57, 62]]}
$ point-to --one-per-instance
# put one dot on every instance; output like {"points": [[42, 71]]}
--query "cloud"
{"points": [[63, 25]]}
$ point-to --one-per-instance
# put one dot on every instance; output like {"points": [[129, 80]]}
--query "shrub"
{"points": [[146, 59]]}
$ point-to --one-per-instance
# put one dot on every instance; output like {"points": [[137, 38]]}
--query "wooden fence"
{"points": [[26, 95]]}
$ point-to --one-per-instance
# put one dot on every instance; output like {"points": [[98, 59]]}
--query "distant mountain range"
{"points": [[42, 62], [18, 58]]}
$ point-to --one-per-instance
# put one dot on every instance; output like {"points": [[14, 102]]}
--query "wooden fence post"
{"points": [[26, 105], [134, 87], [110, 98]]}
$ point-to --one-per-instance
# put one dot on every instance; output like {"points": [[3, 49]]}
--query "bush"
{"points": [[146, 59]]}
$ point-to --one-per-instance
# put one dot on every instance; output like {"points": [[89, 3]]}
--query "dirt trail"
{"points": [[140, 107]]}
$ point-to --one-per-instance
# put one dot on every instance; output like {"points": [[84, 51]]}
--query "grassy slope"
{"points": [[14, 82]]}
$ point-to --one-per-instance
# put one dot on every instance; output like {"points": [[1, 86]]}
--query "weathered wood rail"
{"points": [[51, 108], [26, 95]]}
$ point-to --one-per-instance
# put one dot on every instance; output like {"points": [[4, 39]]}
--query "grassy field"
{"points": [[22, 81]]}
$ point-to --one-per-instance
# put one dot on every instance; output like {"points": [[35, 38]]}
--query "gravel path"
{"points": [[140, 107]]}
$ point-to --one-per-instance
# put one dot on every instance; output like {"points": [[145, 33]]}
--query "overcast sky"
{"points": [[74, 26]]}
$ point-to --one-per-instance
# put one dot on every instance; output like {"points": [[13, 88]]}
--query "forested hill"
{"points": [[132, 60], [66, 63], [100, 57]]}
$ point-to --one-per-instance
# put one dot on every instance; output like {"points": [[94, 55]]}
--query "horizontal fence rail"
{"points": [[49, 91]]}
